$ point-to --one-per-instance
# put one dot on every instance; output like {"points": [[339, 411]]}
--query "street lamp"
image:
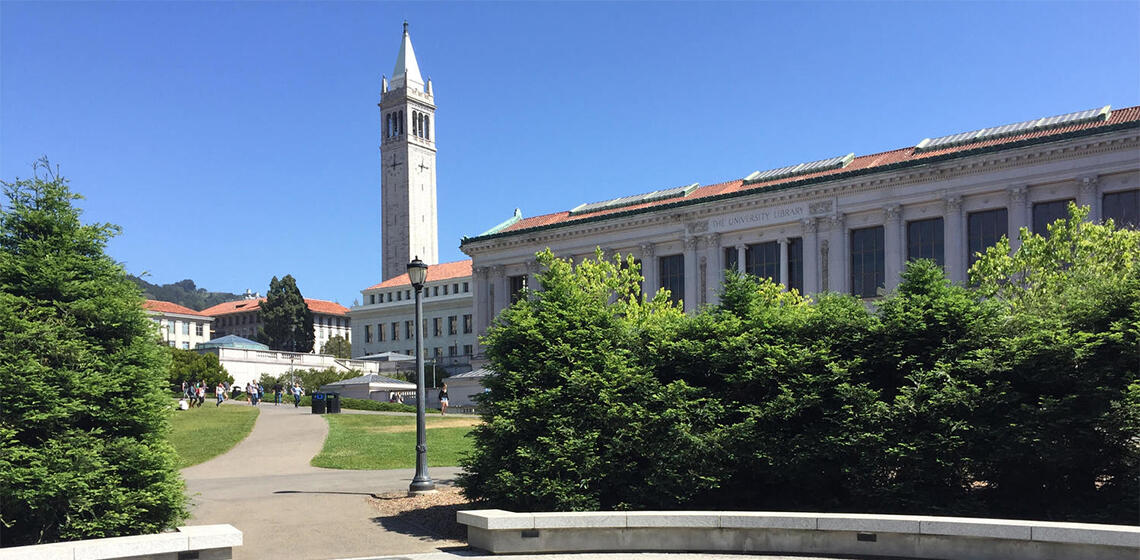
{"points": [[421, 483]]}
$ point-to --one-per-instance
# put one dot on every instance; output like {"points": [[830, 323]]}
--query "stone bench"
{"points": [[904, 536], [195, 542]]}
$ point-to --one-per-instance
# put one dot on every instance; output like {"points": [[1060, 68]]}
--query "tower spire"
{"points": [[407, 71]]}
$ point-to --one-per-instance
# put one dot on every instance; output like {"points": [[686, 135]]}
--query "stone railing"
{"points": [[902, 536], [201, 542]]}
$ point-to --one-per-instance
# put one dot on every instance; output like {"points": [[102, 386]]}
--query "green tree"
{"points": [[190, 366], [84, 409], [287, 320], [1058, 415], [574, 420], [312, 379], [338, 346]]}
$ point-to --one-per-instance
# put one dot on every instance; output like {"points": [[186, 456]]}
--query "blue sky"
{"points": [[238, 141]]}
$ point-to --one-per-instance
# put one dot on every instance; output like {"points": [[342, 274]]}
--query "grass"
{"points": [[374, 441], [200, 434]]}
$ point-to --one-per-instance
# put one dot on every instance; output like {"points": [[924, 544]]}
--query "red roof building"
{"points": [[179, 326], [243, 318]]}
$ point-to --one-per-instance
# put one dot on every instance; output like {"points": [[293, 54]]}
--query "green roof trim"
{"points": [[504, 225], [805, 182]]}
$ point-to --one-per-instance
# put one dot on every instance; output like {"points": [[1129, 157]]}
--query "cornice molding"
{"points": [[683, 212]]}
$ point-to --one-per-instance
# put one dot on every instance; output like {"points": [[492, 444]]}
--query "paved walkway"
{"points": [[286, 508]]}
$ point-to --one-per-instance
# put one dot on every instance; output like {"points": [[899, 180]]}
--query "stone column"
{"points": [[532, 270], [954, 240], [783, 244], [1089, 195], [811, 256], [479, 303], [893, 253], [1018, 215], [838, 247], [498, 280], [714, 272], [692, 274], [741, 252], [649, 269]]}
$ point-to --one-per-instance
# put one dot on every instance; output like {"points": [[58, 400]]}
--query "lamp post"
{"points": [[421, 483]]}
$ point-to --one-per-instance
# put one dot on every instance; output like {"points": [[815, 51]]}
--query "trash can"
{"points": [[332, 403], [318, 403]]}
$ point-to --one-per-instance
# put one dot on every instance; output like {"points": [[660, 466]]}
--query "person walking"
{"points": [[443, 399], [277, 390], [297, 392], [260, 392], [201, 393], [220, 393]]}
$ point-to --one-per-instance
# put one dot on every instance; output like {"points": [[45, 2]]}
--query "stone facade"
{"points": [[180, 327], [848, 230]]}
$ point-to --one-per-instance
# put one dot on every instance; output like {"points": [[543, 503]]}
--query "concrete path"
{"points": [[286, 508]]}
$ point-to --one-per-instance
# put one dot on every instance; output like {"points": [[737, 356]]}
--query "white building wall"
{"points": [[380, 315], [825, 214], [248, 365]]}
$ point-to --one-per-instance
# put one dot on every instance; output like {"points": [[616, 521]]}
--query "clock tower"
{"points": [[407, 157]]}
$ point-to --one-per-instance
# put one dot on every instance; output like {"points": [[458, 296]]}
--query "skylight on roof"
{"points": [[677, 192], [837, 162], [961, 138]]}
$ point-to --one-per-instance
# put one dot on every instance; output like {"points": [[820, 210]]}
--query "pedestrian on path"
{"points": [[443, 399], [297, 392], [277, 390], [220, 393], [201, 393]]}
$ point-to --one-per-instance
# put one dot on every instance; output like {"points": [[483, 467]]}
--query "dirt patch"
{"points": [[441, 423], [427, 515]]}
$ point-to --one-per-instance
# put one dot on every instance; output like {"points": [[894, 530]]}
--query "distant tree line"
{"points": [[1018, 396], [184, 293]]}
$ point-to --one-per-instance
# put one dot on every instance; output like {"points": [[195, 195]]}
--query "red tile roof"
{"points": [[860, 163], [243, 305], [436, 272], [168, 307]]}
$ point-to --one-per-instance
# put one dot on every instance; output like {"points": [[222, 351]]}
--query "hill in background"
{"points": [[183, 293]]}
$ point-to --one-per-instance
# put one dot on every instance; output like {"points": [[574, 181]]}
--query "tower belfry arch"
{"points": [[407, 154]]}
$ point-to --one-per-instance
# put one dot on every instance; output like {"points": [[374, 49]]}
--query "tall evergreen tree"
{"points": [[84, 410], [288, 321]]}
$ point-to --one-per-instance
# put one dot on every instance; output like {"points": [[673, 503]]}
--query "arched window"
{"points": [[388, 125], [416, 123], [401, 124], [427, 127]]}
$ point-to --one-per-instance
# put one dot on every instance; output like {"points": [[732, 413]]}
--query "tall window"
{"points": [[379, 332], [367, 333], [466, 349], [796, 264], [465, 287], [199, 328], [1123, 208], [671, 271], [437, 326], [452, 324], [467, 324], [371, 298], [395, 330], [1045, 213], [924, 240], [173, 326], [984, 229], [763, 260], [515, 287], [730, 257], [868, 265]]}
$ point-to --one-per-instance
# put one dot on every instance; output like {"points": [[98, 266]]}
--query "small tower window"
{"points": [[427, 127], [401, 124]]}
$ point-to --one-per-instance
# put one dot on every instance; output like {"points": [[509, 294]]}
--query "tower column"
{"points": [[811, 256], [892, 245], [783, 248], [1018, 215], [954, 251], [649, 269], [692, 274]]}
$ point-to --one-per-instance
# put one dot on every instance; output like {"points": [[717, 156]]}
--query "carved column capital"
{"points": [[481, 271], [782, 241], [1017, 195], [810, 225], [648, 250], [532, 266], [837, 221], [498, 270], [712, 239], [892, 212], [953, 203], [691, 243], [1087, 185]]}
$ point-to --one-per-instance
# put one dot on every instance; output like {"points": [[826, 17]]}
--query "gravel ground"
{"points": [[428, 515]]}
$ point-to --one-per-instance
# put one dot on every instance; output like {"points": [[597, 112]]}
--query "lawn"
{"points": [[200, 434], [376, 441]]}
